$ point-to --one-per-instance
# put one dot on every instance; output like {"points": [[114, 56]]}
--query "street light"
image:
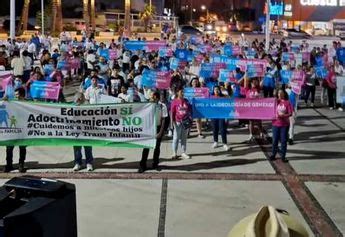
{"points": [[12, 20], [267, 28], [42, 15], [203, 7]]}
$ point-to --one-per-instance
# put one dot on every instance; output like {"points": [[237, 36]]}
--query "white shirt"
{"points": [[125, 97], [339, 70], [93, 94], [32, 48], [161, 111], [18, 66], [90, 58]]}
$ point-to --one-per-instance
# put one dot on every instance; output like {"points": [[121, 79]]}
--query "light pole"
{"points": [[267, 28], [203, 7], [42, 11], [13, 20]]}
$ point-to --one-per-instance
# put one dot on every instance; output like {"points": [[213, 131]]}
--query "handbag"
{"points": [[187, 122]]}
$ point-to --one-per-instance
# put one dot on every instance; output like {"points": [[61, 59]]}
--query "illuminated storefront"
{"points": [[314, 14]]}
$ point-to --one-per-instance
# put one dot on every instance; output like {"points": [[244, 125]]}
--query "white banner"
{"points": [[37, 124]]}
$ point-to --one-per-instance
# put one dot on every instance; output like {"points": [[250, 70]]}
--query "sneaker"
{"points": [[77, 167], [8, 168], [226, 147], [141, 169], [290, 142], [21, 168], [285, 160], [340, 109], [251, 139], [201, 136], [89, 167], [215, 144], [174, 156], [170, 134], [312, 104], [272, 157], [185, 156], [330, 108]]}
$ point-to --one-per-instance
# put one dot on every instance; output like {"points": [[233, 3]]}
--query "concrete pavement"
{"points": [[208, 194]]}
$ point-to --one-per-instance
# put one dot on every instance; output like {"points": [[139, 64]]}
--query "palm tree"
{"points": [[86, 15], [54, 15], [25, 15], [147, 15]]}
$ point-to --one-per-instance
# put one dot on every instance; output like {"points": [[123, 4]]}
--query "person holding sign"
{"points": [[280, 126], [219, 125], [79, 100], [181, 112], [161, 113], [19, 95], [252, 92], [94, 92]]}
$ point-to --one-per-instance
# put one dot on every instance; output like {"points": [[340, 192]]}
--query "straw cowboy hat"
{"points": [[268, 222]]}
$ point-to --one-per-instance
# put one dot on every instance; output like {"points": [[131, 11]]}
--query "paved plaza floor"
{"points": [[206, 195]]}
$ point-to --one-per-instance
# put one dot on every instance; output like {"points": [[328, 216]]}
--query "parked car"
{"points": [[188, 30], [293, 33]]}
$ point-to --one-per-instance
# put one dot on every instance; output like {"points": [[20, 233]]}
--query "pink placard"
{"points": [[296, 87], [201, 92], [112, 54], [74, 63], [154, 45], [163, 80], [236, 50], [260, 109], [5, 79]]}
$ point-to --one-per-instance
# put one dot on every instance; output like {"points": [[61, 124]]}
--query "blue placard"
{"points": [[213, 108], [182, 54], [231, 63], [228, 50], [285, 76], [48, 69], [206, 70], [188, 93], [174, 63], [148, 78], [319, 61], [61, 65], [104, 53], [341, 55], [133, 45], [224, 75], [321, 72]]}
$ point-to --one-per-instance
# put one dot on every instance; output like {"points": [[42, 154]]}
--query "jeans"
{"points": [[331, 97], [310, 89], [268, 91], [156, 152], [9, 154], [279, 133], [180, 134], [219, 125], [78, 155]]}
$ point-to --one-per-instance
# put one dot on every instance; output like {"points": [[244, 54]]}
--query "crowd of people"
{"points": [[122, 77]]}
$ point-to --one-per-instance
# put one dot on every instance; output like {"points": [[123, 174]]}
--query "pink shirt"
{"points": [[252, 93], [180, 109], [283, 107]]}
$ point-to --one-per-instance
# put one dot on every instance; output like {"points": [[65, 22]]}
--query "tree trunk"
{"points": [[86, 14], [25, 15], [93, 15], [59, 23], [54, 15], [128, 15]]}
